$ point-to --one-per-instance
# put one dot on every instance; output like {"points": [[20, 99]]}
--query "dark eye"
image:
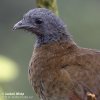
{"points": [[38, 21]]}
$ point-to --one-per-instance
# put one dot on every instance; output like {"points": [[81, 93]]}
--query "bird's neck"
{"points": [[51, 38]]}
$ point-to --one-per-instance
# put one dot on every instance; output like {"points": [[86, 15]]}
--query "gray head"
{"points": [[44, 23]]}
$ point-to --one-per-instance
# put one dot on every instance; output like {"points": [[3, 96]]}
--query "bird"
{"points": [[59, 68]]}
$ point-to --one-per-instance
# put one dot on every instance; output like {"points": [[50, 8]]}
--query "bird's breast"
{"points": [[46, 74]]}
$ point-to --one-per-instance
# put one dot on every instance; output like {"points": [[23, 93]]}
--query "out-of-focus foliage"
{"points": [[9, 69], [1, 94], [49, 4], [81, 16]]}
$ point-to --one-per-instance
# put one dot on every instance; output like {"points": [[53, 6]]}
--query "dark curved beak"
{"points": [[22, 25]]}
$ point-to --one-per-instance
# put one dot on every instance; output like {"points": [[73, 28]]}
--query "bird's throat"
{"points": [[51, 38]]}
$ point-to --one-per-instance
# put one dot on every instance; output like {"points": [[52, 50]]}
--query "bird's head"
{"points": [[43, 23]]}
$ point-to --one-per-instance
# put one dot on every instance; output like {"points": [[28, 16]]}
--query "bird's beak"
{"points": [[18, 25], [21, 25]]}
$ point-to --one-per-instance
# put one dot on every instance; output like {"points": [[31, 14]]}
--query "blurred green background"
{"points": [[82, 18]]}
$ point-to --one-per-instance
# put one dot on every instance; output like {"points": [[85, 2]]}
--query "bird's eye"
{"points": [[38, 21]]}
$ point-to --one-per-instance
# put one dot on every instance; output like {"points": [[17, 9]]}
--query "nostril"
{"points": [[20, 23]]}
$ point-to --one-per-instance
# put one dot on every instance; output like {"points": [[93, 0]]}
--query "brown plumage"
{"points": [[59, 69]]}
